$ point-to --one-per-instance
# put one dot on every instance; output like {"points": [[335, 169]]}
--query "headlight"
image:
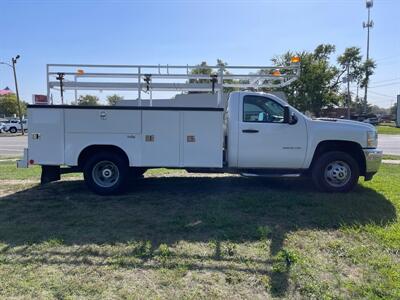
{"points": [[372, 139]]}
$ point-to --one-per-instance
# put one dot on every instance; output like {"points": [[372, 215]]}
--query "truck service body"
{"points": [[249, 133]]}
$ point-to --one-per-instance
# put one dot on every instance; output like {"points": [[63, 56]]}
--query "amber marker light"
{"points": [[276, 72], [295, 59]]}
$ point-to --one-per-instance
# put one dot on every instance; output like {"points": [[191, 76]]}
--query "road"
{"points": [[14, 145], [389, 143]]}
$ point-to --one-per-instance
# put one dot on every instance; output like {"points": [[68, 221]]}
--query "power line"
{"points": [[383, 95], [386, 80], [387, 84], [387, 58]]}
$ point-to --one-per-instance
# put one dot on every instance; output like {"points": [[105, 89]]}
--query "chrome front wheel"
{"points": [[337, 173]]}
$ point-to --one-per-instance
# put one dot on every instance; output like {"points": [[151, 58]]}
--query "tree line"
{"points": [[320, 81], [88, 100], [9, 104]]}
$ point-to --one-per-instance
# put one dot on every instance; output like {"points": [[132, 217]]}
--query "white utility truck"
{"points": [[13, 125], [200, 130]]}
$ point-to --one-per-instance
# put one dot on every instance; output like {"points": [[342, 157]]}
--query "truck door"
{"points": [[265, 141]]}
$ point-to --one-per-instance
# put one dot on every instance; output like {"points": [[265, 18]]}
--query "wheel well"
{"points": [[352, 148], [90, 150]]}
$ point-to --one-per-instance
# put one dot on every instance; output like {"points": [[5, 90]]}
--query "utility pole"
{"points": [[14, 61], [368, 25], [348, 91], [398, 112]]}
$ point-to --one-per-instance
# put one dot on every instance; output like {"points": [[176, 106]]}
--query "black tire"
{"points": [[13, 130], [106, 173], [335, 172], [136, 172]]}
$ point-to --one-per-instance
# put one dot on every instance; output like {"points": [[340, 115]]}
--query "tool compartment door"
{"points": [[46, 136], [160, 138], [102, 126], [203, 139]]}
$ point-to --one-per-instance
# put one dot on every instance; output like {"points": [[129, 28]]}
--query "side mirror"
{"points": [[286, 115], [289, 118]]}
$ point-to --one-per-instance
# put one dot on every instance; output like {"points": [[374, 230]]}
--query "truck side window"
{"points": [[262, 110]]}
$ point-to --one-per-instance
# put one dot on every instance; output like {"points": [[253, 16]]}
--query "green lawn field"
{"points": [[179, 235], [388, 129]]}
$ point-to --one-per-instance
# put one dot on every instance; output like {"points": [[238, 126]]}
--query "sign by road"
{"points": [[39, 99], [398, 111]]}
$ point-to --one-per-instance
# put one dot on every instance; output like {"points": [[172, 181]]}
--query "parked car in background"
{"points": [[387, 118], [372, 119], [366, 118], [13, 125]]}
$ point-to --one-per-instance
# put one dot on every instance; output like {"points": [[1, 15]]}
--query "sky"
{"points": [[240, 32]]}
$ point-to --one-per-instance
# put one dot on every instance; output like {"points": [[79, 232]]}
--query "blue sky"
{"points": [[187, 32]]}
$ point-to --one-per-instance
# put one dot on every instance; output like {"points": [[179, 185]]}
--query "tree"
{"points": [[357, 71], [375, 109], [87, 100], [317, 85], [204, 69], [113, 99], [9, 105], [319, 82], [350, 63], [351, 58], [367, 67]]}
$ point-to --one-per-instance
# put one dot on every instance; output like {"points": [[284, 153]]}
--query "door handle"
{"points": [[250, 130]]}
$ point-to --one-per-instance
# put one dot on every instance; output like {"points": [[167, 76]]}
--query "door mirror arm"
{"points": [[289, 118], [293, 119], [286, 115]]}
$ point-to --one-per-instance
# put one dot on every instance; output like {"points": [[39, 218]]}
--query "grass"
{"points": [[178, 235], [391, 157], [10, 172], [388, 129]]}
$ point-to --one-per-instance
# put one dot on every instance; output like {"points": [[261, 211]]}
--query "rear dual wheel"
{"points": [[106, 173]]}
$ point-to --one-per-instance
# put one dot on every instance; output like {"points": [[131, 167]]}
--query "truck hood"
{"points": [[338, 129], [344, 122]]}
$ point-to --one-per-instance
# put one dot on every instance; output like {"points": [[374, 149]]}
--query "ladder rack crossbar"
{"points": [[293, 66], [154, 86], [171, 76]]}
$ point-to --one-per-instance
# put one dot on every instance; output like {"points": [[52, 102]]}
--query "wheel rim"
{"points": [[337, 173], [105, 174]]}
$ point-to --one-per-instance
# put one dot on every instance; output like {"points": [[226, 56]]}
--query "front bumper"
{"points": [[373, 160]]}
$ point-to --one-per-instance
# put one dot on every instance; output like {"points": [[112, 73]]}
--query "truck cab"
{"points": [[264, 132], [266, 135]]}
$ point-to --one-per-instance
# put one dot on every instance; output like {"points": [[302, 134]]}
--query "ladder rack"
{"points": [[149, 78]]}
